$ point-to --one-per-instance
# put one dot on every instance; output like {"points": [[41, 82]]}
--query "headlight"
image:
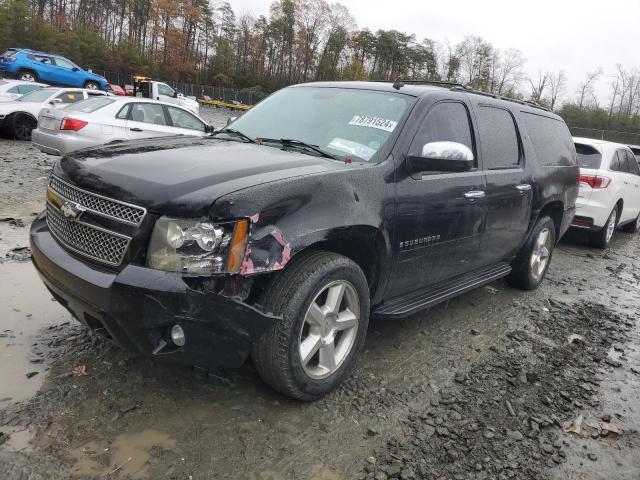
{"points": [[196, 247]]}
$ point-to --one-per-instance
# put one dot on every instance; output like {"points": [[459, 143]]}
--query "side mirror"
{"points": [[75, 69], [209, 128], [443, 157], [230, 120], [55, 101]]}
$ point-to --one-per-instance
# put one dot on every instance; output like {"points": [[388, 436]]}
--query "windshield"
{"points": [[588, 157], [90, 105], [343, 122], [38, 95]]}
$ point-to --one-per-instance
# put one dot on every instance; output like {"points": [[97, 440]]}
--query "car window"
{"points": [[621, 164], [148, 113], [124, 112], [445, 122], [89, 105], [588, 156], [41, 59], [8, 53], [26, 88], [63, 62], [14, 89], [71, 97], [551, 140], [165, 90], [182, 119], [38, 96], [498, 137], [633, 163]]}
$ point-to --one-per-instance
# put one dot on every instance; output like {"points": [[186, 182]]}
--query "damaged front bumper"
{"points": [[137, 307]]}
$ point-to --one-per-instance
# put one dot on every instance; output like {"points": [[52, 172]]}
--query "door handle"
{"points": [[474, 195], [523, 188], [135, 129]]}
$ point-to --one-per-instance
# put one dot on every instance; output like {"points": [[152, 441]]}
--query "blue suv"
{"points": [[31, 66]]}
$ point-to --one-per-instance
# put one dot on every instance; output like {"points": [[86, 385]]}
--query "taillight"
{"points": [[73, 124], [595, 181]]}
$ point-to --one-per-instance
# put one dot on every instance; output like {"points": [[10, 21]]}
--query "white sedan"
{"points": [[11, 90], [609, 195], [20, 117], [98, 121]]}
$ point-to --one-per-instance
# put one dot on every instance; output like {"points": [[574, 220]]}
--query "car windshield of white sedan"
{"points": [[90, 105], [38, 95], [343, 122]]}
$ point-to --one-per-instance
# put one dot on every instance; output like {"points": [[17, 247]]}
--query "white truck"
{"points": [[144, 87]]}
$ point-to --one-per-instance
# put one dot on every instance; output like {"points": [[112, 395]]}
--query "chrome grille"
{"points": [[107, 207], [87, 240]]}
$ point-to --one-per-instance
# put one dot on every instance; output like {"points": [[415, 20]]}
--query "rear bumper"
{"points": [[137, 307], [595, 209], [60, 143]]}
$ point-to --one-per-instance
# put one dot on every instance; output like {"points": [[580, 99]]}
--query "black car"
{"points": [[279, 236]]}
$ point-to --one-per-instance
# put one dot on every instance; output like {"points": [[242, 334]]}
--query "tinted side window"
{"points": [[588, 156], [633, 163], [551, 140], [498, 137], [622, 161], [445, 122]]}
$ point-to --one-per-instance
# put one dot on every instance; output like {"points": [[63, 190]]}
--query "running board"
{"points": [[416, 301]]}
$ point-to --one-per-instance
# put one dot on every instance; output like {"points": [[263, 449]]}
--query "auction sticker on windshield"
{"points": [[373, 122]]}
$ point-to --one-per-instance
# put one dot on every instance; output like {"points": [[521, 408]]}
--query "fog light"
{"points": [[177, 335]]}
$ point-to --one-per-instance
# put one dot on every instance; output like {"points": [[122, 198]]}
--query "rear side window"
{"points": [[8, 53], [551, 140], [499, 138], [28, 88], [621, 164], [90, 105], [633, 163], [588, 156], [445, 122], [124, 112]]}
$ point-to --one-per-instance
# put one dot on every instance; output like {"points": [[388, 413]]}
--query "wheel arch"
{"points": [[554, 210]]}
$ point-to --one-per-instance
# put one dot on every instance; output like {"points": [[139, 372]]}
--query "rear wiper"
{"points": [[291, 143], [237, 133]]}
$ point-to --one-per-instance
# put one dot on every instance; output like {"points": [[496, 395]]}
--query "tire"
{"points": [[530, 266], [27, 76], [602, 237], [632, 227], [21, 126], [306, 281], [91, 86]]}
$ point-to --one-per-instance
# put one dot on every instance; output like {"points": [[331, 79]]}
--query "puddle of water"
{"points": [[25, 308], [128, 455]]}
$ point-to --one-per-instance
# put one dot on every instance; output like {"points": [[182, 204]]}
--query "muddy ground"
{"points": [[495, 384]]}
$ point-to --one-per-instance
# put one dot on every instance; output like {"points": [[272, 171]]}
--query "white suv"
{"points": [[609, 195]]}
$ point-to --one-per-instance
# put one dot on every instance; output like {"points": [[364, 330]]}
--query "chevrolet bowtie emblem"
{"points": [[72, 211]]}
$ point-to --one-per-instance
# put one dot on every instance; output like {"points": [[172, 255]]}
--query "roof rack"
{"points": [[399, 83]]}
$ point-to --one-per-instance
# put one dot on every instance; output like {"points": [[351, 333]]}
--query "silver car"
{"points": [[98, 121]]}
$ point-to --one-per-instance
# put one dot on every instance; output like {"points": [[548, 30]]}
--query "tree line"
{"points": [[298, 41]]}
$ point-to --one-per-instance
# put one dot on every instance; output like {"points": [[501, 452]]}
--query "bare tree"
{"points": [[557, 84], [586, 88], [538, 88]]}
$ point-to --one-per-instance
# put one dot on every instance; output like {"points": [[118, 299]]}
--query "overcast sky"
{"points": [[576, 36]]}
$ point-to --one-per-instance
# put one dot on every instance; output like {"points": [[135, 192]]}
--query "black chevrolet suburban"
{"points": [[278, 236]]}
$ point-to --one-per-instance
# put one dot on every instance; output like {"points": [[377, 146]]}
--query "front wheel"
{"points": [[323, 301], [22, 125], [91, 86], [532, 262], [602, 237]]}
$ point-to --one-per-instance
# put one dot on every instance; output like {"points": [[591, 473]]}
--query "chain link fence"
{"points": [[627, 138], [207, 92]]}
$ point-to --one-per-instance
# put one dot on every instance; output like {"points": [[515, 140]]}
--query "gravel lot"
{"points": [[495, 384]]}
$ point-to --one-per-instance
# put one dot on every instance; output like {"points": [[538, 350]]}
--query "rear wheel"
{"points": [[602, 237], [633, 227], [22, 125], [323, 301], [27, 76], [91, 86], [532, 262]]}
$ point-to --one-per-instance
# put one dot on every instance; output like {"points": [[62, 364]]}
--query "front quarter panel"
{"points": [[348, 206]]}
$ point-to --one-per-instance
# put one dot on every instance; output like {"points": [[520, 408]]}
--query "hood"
{"points": [[183, 175], [15, 106]]}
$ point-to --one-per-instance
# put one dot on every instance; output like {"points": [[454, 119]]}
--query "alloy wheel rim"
{"points": [[611, 225], [92, 86], [541, 253], [329, 330], [27, 77]]}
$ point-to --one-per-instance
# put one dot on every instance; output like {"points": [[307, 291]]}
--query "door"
{"points": [[624, 167], [166, 93], [184, 123], [509, 184], [634, 180], [44, 67], [65, 73], [147, 120], [439, 215]]}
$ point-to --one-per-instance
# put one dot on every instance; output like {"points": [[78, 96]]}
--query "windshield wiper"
{"points": [[237, 133], [300, 145]]}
